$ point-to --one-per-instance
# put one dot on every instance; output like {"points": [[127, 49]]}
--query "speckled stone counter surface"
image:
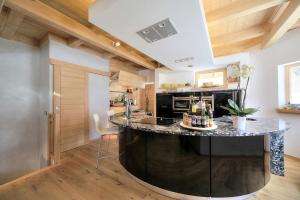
{"points": [[275, 128], [261, 126]]}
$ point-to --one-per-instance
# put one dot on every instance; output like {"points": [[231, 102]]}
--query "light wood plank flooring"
{"points": [[77, 179]]}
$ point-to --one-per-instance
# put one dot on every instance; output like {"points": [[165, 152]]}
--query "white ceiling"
{"points": [[123, 18]]}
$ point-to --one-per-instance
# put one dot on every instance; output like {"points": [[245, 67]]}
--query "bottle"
{"points": [[211, 116], [203, 115], [190, 106], [198, 121], [198, 108], [194, 120], [194, 106]]}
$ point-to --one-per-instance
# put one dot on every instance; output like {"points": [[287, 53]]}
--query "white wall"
{"points": [[98, 85], [263, 88], [19, 110], [177, 77], [98, 101]]}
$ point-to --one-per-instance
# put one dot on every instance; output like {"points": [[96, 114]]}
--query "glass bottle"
{"points": [[194, 106], [203, 115], [211, 116], [191, 105]]}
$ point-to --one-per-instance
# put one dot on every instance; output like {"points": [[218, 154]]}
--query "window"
{"points": [[212, 78], [293, 84]]}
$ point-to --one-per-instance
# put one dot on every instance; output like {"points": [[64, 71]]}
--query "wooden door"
{"points": [[70, 87]]}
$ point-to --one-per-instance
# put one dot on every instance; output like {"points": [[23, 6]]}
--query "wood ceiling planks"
{"points": [[235, 25], [286, 21], [76, 9], [232, 24], [57, 20], [239, 9]]}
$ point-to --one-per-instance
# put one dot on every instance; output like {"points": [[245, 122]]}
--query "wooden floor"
{"points": [[77, 179]]}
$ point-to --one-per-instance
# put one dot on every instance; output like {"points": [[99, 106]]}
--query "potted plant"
{"points": [[239, 113]]}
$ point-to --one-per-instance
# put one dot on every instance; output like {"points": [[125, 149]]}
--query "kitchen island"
{"points": [[186, 164]]}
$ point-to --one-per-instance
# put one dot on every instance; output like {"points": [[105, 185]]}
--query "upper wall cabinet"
{"points": [[128, 80]]}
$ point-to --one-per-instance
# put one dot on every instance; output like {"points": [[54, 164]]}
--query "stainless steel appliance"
{"points": [[182, 104]]}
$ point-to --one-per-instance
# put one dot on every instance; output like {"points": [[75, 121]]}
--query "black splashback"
{"points": [[164, 101]]}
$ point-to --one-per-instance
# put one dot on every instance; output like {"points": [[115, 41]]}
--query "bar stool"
{"points": [[104, 144]]}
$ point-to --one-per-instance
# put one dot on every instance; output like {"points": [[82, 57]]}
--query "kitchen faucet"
{"points": [[128, 108]]}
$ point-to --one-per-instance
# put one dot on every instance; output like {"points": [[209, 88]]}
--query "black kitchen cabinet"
{"points": [[164, 102], [164, 105], [221, 99]]}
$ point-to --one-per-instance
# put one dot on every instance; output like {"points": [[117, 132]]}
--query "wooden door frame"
{"points": [[56, 113], [56, 102]]}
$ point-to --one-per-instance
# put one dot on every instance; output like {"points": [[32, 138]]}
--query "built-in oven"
{"points": [[182, 104]]}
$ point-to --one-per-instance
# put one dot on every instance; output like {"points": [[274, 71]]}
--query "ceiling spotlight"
{"points": [[146, 32], [161, 25], [116, 44], [190, 66]]}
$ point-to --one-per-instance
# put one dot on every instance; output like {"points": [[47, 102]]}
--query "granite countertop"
{"points": [[169, 90], [261, 126]]}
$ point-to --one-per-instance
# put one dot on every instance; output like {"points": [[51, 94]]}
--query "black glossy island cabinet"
{"points": [[211, 164]]}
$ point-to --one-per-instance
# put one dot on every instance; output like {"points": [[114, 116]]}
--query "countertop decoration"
{"points": [[239, 113]]}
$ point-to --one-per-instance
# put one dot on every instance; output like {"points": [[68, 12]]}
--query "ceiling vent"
{"points": [[158, 31], [184, 60]]}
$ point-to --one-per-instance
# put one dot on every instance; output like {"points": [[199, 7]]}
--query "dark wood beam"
{"points": [[10, 24]]}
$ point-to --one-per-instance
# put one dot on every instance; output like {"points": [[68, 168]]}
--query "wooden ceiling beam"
{"points": [[245, 34], [278, 12], [108, 55], [239, 9], [1, 5], [75, 42], [296, 25], [238, 47], [25, 39], [288, 18], [58, 20], [11, 24]]}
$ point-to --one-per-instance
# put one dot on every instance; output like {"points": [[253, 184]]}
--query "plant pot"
{"points": [[239, 122]]}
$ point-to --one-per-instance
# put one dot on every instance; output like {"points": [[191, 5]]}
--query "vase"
{"points": [[239, 122]]}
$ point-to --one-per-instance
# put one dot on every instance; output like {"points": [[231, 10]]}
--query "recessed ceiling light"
{"points": [[189, 66]]}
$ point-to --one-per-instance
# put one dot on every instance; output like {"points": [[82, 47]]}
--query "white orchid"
{"points": [[246, 71], [238, 72]]}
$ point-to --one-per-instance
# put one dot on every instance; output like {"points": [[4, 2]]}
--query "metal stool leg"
{"points": [[104, 150], [99, 153], [108, 144]]}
